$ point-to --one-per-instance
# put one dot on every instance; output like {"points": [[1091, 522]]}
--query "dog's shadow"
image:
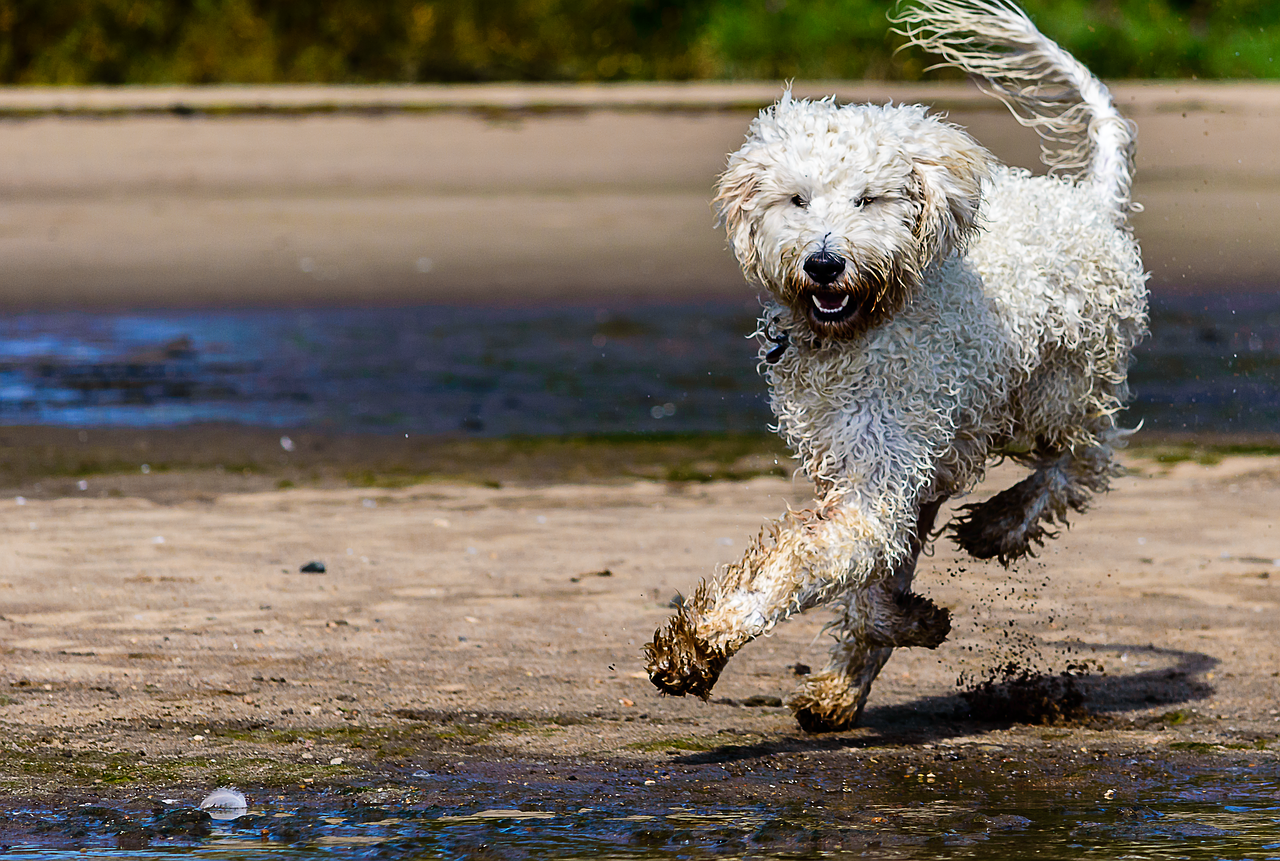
{"points": [[937, 718]]}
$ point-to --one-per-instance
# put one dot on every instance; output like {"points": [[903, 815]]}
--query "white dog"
{"points": [[930, 309]]}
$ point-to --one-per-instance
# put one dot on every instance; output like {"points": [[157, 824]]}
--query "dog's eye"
{"points": [[797, 200], [864, 200]]}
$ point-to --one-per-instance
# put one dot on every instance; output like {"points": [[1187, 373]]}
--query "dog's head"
{"points": [[839, 210]]}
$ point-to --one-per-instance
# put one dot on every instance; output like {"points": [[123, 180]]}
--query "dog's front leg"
{"points": [[795, 563], [873, 621]]}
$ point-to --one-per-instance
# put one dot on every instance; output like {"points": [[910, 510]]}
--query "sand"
{"points": [[507, 195], [168, 646]]}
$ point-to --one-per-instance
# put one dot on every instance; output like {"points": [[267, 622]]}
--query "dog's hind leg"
{"points": [[873, 622], [1007, 525]]}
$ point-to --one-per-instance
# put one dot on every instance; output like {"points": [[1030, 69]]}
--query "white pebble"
{"points": [[225, 803], [224, 798]]}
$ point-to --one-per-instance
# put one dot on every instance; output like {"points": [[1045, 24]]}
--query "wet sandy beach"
{"points": [[165, 647]]}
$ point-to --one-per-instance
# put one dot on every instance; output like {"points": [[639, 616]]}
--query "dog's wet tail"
{"points": [[1045, 87]]}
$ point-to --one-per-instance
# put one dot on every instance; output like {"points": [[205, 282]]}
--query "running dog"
{"points": [[928, 310]]}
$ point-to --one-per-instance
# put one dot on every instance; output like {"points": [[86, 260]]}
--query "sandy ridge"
{"points": [[1135, 96]]}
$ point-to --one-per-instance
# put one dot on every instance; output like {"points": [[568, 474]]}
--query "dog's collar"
{"points": [[780, 340]]}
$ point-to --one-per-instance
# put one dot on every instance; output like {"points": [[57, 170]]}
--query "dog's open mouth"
{"points": [[837, 313], [831, 306], [846, 309]]}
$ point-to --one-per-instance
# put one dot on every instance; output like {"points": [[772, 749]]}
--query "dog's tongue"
{"points": [[830, 303]]}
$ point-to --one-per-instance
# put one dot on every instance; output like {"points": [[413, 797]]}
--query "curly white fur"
{"points": [[929, 309]]}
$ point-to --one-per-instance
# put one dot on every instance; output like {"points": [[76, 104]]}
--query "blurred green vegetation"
{"points": [[364, 41]]}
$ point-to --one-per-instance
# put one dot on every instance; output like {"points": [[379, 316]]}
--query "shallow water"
{"points": [[1231, 813], [421, 370], [1210, 365]]}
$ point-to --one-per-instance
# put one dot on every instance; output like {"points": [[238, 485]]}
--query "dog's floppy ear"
{"points": [[947, 173], [735, 200]]}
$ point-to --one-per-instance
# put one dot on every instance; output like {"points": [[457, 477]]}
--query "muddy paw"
{"points": [[924, 623], [680, 663], [984, 532], [826, 704], [909, 619], [1015, 521]]}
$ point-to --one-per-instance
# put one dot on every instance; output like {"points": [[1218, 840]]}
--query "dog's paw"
{"points": [[1010, 524], [923, 623], [908, 619], [1015, 521], [984, 535], [680, 663], [825, 703]]}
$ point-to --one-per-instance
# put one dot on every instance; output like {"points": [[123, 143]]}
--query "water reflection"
{"points": [[1210, 366], [1232, 814]]}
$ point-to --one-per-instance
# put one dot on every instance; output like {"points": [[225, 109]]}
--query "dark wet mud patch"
{"points": [[200, 462], [1013, 694], [1084, 694]]}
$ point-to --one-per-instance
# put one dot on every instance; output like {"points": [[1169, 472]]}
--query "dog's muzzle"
{"points": [[826, 300]]}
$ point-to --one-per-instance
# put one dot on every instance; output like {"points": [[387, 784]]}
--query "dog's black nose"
{"points": [[824, 267]]}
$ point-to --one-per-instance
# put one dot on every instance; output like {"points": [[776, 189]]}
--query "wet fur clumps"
{"points": [[1013, 694], [996, 529], [825, 703], [680, 663]]}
